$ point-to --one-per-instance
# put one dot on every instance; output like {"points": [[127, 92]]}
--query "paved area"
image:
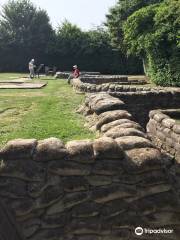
{"points": [[21, 84]]}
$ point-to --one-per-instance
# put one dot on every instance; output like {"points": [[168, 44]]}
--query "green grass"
{"points": [[11, 76], [41, 113], [178, 121]]}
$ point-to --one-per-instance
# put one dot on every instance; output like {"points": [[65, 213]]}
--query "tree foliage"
{"points": [[91, 50], [153, 34], [25, 31], [118, 15]]}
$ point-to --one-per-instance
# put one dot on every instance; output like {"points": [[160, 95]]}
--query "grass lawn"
{"points": [[41, 113], [11, 76], [178, 121]]}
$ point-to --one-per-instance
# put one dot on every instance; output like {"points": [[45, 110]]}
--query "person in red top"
{"points": [[75, 73]]}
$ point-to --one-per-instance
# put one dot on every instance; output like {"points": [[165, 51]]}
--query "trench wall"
{"points": [[100, 79], [84, 190], [139, 100], [164, 132], [92, 85], [140, 103]]}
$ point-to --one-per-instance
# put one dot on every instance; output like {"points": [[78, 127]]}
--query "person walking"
{"points": [[31, 69]]}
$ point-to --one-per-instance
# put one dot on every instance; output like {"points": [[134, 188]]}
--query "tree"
{"points": [[153, 34], [25, 32], [116, 19], [119, 14], [91, 50], [107, 58], [70, 44]]}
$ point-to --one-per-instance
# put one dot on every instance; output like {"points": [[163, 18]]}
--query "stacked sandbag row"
{"points": [[65, 75], [108, 87], [91, 190], [90, 73], [84, 190], [100, 79], [62, 191], [165, 132], [107, 115], [149, 95], [62, 75], [140, 103]]}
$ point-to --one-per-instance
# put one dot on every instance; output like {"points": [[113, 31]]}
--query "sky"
{"points": [[85, 13]]}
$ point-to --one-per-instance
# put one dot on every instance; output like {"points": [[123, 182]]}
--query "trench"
{"points": [[100, 189], [140, 105]]}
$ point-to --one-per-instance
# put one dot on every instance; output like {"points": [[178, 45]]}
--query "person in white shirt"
{"points": [[31, 69]]}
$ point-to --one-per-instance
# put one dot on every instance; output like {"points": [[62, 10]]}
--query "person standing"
{"points": [[31, 69]]}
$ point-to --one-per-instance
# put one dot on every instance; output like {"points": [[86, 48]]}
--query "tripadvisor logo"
{"points": [[140, 231]]}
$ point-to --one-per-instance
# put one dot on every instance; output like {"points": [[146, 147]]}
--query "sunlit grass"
{"points": [[41, 113]]}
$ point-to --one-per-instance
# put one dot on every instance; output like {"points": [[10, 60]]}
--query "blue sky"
{"points": [[84, 13]]}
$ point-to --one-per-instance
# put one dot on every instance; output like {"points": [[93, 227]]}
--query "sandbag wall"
{"points": [[107, 116], [65, 75], [140, 103], [62, 75], [92, 86], [139, 100], [100, 79], [164, 132], [91, 190]]}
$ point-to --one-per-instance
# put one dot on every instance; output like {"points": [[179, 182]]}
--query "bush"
{"points": [[152, 33]]}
